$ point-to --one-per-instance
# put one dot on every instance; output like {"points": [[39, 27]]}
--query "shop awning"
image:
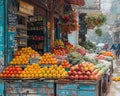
{"points": [[76, 2]]}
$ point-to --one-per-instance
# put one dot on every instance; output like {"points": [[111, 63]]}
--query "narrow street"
{"points": [[115, 86]]}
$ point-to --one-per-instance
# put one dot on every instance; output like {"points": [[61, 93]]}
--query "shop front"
{"points": [[40, 55]]}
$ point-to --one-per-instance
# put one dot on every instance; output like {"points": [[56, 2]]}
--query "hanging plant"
{"points": [[90, 21], [102, 19], [69, 23], [95, 20], [99, 32]]}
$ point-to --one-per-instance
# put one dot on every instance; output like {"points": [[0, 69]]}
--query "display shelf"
{"points": [[22, 45], [30, 41], [36, 33], [21, 35], [21, 27]]}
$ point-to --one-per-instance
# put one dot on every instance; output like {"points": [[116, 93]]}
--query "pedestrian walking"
{"points": [[118, 51], [114, 48], [106, 46]]}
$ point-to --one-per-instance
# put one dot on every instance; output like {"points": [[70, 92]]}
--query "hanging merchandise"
{"points": [[76, 2], [93, 20], [69, 23], [98, 31]]}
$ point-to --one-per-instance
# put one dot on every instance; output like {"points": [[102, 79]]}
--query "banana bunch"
{"points": [[58, 42]]}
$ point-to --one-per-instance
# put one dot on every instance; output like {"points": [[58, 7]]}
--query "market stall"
{"points": [[56, 73], [66, 70]]}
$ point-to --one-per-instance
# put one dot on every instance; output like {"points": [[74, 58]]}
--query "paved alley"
{"points": [[115, 86]]}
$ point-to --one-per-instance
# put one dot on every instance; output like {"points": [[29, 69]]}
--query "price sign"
{"points": [[12, 16]]}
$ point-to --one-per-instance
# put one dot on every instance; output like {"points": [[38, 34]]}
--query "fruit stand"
{"points": [[70, 72]]}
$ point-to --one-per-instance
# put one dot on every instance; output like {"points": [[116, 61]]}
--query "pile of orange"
{"points": [[108, 54], [31, 71], [23, 56], [48, 59], [53, 71], [22, 59], [27, 50], [65, 64], [60, 52], [35, 71]]}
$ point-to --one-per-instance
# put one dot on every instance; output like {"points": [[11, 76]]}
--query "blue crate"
{"points": [[45, 91], [78, 89], [67, 93], [86, 87], [86, 93], [67, 86], [75, 93], [42, 84]]}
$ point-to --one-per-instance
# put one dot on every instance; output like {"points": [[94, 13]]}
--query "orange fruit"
{"points": [[45, 75], [40, 75], [54, 75], [58, 75], [24, 75], [49, 75], [32, 76], [35, 72], [36, 75], [21, 76]]}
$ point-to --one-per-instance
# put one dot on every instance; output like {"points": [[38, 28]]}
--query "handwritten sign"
{"points": [[26, 8], [12, 16]]}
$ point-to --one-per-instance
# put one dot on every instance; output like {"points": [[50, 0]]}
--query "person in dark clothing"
{"points": [[114, 48], [118, 51], [106, 46]]}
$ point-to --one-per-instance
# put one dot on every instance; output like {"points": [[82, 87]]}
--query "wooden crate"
{"points": [[81, 88]]}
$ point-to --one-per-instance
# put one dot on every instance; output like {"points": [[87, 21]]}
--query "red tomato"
{"points": [[19, 69], [4, 71], [7, 72], [72, 77], [13, 69], [19, 72], [10, 69], [96, 77], [1, 75], [79, 73], [5, 75], [76, 77], [14, 72], [88, 73], [9, 75], [86, 77], [11, 72], [81, 77]]}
